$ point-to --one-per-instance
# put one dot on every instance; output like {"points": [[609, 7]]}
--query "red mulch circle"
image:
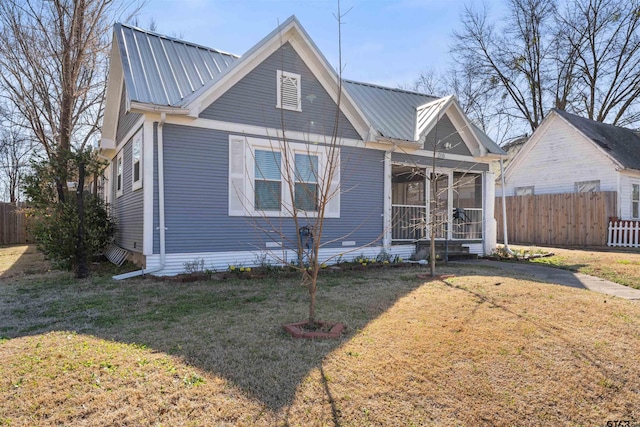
{"points": [[319, 330]]}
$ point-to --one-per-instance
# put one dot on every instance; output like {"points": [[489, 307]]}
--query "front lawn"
{"points": [[619, 266], [477, 349]]}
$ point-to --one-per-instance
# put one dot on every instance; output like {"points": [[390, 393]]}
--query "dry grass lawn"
{"points": [[477, 349], [618, 266]]}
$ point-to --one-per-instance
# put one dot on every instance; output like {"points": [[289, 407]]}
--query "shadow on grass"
{"points": [[229, 328], [549, 328], [537, 272]]}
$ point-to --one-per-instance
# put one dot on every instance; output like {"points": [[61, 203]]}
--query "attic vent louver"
{"points": [[289, 91]]}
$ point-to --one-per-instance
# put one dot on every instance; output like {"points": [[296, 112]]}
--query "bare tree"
{"points": [[53, 58], [581, 55], [603, 40], [15, 150]]}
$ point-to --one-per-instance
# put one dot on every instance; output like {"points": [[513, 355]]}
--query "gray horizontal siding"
{"points": [[253, 100], [126, 120], [196, 198], [427, 162], [128, 208], [445, 132]]}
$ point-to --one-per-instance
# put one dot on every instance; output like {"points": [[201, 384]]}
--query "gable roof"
{"points": [[162, 70], [622, 144], [390, 111], [162, 73]]}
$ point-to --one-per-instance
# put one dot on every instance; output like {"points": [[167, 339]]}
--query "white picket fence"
{"points": [[624, 233]]}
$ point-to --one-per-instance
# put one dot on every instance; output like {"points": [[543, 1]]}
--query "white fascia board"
{"points": [[274, 134], [142, 107], [115, 86], [304, 47], [440, 105], [270, 133], [465, 129]]}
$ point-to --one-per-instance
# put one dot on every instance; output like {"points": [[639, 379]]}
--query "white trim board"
{"points": [[174, 263]]}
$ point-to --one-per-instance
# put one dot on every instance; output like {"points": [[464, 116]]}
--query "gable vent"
{"points": [[289, 91]]}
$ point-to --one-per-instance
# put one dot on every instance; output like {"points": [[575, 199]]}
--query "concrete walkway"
{"points": [[558, 276]]}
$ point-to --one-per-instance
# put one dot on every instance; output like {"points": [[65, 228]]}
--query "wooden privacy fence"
{"points": [[13, 224], [569, 219], [624, 233]]}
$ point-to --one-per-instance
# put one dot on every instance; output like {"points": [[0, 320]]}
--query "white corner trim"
{"points": [[147, 195]]}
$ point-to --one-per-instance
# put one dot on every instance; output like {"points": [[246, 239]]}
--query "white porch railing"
{"points": [[410, 224], [624, 234]]}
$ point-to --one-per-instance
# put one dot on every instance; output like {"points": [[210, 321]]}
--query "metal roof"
{"points": [[620, 143], [165, 71], [162, 70], [392, 112]]}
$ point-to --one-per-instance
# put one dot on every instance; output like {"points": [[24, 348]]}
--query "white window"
{"points": [[119, 175], [524, 191], [306, 182], [587, 186], [136, 161], [289, 91], [268, 179], [635, 201]]}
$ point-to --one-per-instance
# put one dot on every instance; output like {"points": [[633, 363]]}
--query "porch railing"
{"points": [[409, 223], [624, 234]]}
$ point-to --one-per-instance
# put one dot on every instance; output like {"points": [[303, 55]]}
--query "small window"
{"points": [[524, 191], [268, 180], [306, 182], [289, 91], [136, 159], [587, 186], [635, 201], [119, 175]]}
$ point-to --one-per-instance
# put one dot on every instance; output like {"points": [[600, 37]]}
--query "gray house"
{"points": [[198, 141]]}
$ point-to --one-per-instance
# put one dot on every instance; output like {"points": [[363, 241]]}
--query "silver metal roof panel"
{"points": [[391, 111], [162, 70]]}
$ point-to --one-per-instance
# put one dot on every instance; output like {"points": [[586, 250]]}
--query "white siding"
{"points": [[625, 194], [559, 158]]}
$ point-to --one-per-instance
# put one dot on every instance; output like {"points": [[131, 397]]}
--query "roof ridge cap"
{"points": [[392, 89]]}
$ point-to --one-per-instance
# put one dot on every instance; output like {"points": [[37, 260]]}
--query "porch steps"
{"points": [[456, 251]]}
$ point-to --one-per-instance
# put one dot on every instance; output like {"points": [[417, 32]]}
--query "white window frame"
{"points": [[282, 75], [246, 197], [119, 173], [580, 185], [635, 201], [137, 139]]}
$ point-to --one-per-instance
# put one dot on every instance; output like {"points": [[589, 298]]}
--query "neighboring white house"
{"points": [[568, 153]]}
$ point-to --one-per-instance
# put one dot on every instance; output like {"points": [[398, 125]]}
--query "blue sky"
{"points": [[384, 42]]}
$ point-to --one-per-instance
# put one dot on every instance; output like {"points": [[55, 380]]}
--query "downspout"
{"points": [[504, 210], [161, 217]]}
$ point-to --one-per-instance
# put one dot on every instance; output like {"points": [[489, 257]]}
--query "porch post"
{"points": [[386, 207], [489, 229]]}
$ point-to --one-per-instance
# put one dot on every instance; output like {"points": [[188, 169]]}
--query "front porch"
{"points": [[448, 200]]}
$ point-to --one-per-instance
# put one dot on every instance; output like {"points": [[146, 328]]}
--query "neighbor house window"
{"points": [[587, 186], [119, 175], [524, 191], [267, 180], [136, 161], [635, 201], [289, 91], [306, 182]]}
